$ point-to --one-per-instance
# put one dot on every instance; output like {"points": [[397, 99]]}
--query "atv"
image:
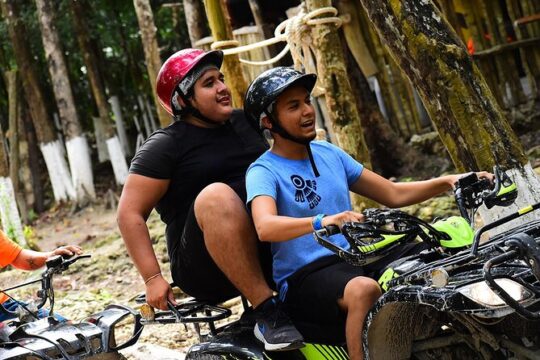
{"points": [[30, 337], [461, 298], [457, 299]]}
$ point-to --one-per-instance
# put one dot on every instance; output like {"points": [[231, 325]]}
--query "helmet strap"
{"points": [[313, 166], [180, 112], [278, 129], [198, 115]]}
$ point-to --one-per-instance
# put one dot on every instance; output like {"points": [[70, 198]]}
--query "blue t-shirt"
{"points": [[298, 193]]}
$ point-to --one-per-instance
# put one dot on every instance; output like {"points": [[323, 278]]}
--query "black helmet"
{"points": [[263, 92], [265, 89]]}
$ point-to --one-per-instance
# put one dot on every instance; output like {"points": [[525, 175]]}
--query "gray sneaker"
{"points": [[275, 329]]}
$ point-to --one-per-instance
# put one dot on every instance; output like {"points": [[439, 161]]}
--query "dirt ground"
{"points": [[107, 277]]}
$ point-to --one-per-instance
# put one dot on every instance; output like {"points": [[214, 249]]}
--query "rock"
{"points": [[145, 351], [428, 143]]}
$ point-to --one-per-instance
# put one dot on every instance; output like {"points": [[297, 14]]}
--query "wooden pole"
{"points": [[338, 94], [219, 21]]}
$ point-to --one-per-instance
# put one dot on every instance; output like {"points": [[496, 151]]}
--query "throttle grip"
{"points": [[332, 230]]}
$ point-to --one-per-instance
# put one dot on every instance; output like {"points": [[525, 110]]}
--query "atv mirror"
{"points": [[125, 331], [121, 326], [122, 332]]}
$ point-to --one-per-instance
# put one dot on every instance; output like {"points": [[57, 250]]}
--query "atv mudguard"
{"points": [[238, 342]]}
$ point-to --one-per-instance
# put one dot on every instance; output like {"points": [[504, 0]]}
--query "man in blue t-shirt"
{"points": [[299, 186]]}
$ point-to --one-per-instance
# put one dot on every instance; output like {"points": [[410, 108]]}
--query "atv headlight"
{"points": [[482, 293]]}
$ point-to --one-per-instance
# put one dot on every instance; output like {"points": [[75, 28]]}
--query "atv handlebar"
{"points": [[372, 238], [470, 192], [55, 265]]}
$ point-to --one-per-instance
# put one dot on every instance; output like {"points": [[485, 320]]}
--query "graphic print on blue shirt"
{"points": [[305, 190]]}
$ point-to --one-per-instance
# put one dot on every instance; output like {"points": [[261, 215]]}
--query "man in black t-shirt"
{"points": [[193, 173]]}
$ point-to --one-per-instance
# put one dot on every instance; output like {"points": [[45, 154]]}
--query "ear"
{"points": [[181, 102], [266, 123]]}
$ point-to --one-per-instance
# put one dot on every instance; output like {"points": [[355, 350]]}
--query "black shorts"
{"points": [[314, 290], [194, 271]]}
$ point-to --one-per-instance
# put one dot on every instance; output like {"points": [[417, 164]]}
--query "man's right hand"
{"points": [[158, 291], [342, 217]]}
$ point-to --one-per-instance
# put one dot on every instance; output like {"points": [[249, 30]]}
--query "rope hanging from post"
{"points": [[296, 31]]}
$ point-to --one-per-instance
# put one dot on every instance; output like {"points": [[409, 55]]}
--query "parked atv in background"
{"points": [[456, 300], [460, 299], [27, 337]]}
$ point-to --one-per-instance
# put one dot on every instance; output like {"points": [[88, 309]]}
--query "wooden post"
{"points": [[355, 38], [218, 19], [340, 100], [529, 56]]}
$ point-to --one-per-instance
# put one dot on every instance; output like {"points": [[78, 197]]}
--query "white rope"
{"points": [[296, 31], [224, 44]]}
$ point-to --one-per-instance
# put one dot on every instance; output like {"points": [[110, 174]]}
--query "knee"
{"points": [[218, 200], [361, 291]]}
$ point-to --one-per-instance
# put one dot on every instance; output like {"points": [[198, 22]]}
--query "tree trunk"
{"points": [[43, 123], [98, 89], [195, 20], [220, 25], [468, 119], [120, 127], [151, 52], [390, 155], [386, 148], [340, 100], [35, 191], [79, 8], [12, 82], [76, 144], [15, 114], [9, 214], [31, 84]]}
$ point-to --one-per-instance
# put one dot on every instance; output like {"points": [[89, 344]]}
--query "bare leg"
{"points": [[231, 240], [358, 297]]}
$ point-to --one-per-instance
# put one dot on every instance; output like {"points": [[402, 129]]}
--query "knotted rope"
{"points": [[296, 32]]}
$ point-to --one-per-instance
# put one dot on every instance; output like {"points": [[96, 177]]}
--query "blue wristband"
{"points": [[316, 222]]}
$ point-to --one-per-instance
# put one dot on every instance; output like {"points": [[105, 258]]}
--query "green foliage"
{"points": [[31, 238], [171, 37], [32, 215], [114, 32]]}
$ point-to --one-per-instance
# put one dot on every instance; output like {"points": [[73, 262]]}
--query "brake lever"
{"points": [[503, 192], [71, 260]]}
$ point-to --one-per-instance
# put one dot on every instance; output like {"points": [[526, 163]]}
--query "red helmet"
{"points": [[177, 66]]}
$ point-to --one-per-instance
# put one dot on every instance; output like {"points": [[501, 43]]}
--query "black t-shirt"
{"points": [[193, 157]]}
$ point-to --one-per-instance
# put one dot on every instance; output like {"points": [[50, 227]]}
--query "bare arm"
{"points": [[274, 228], [31, 260], [400, 194], [139, 196]]}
